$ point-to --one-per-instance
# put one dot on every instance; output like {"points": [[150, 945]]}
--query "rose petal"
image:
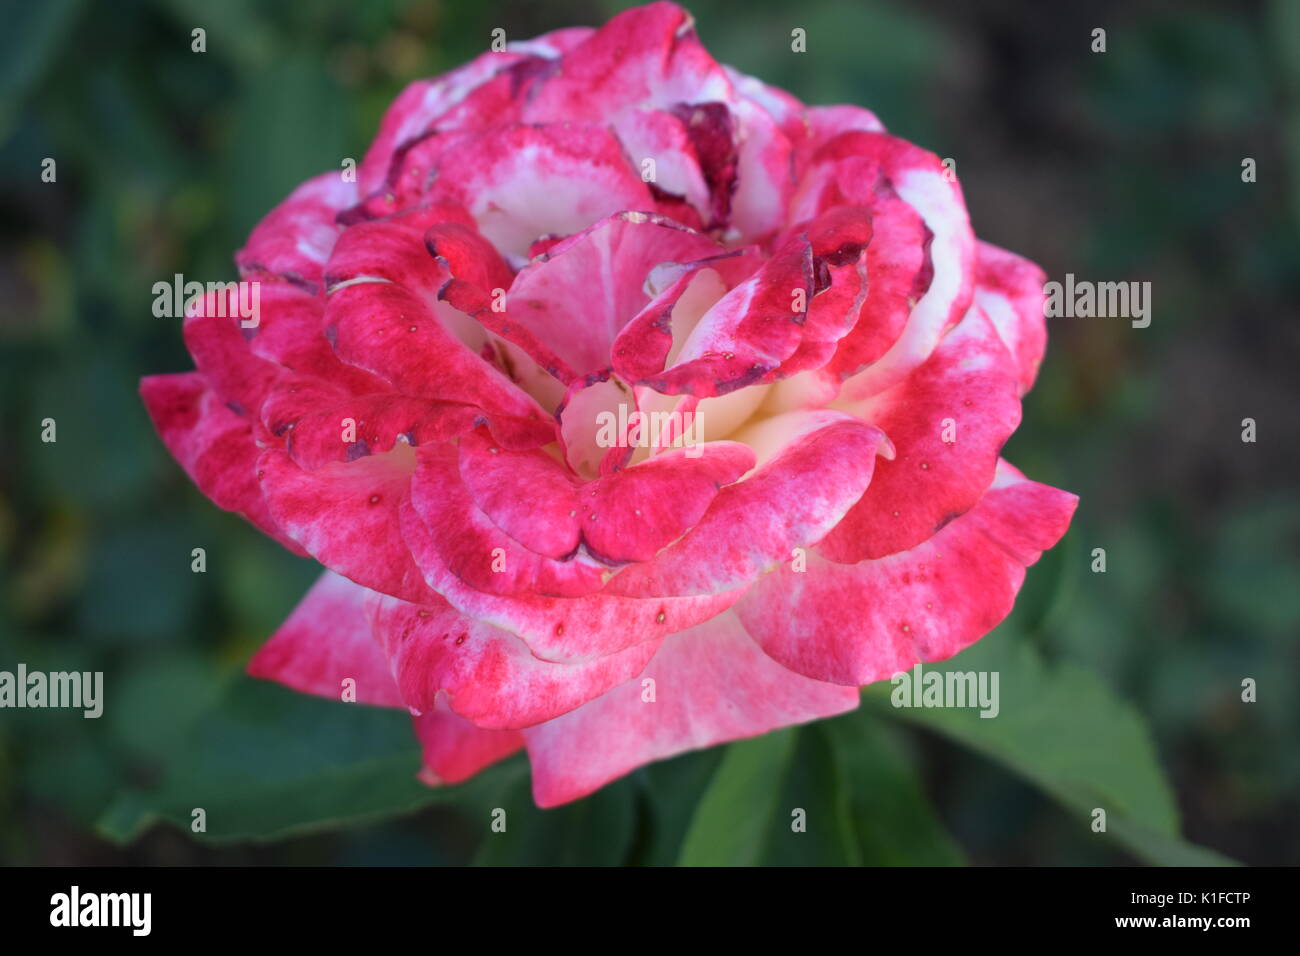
{"points": [[345, 516], [711, 684], [326, 640], [627, 515], [521, 182], [322, 427], [213, 444], [1010, 291], [764, 181], [295, 239], [421, 103], [967, 392], [464, 540], [387, 330], [579, 295], [923, 182], [291, 333], [563, 630], [455, 750], [785, 318], [652, 339], [662, 137], [487, 675], [646, 56], [216, 339], [859, 623], [754, 524]]}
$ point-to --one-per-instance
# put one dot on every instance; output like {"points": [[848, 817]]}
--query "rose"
{"points": [[585, 227]]}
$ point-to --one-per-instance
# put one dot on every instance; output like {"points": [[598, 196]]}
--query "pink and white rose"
{"points": [[605, 223]]}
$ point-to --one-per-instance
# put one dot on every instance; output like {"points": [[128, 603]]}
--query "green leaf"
{"points": [[812, 824], [736, 811], [889, 817], [1061, 729], [1163, 849], [266, 762], [673, 789], [594, 831]]}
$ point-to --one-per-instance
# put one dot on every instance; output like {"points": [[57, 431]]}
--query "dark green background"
{"points": [[1120, 690]]}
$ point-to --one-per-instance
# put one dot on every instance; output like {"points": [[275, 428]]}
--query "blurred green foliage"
{"points": [[1121, 689]]}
